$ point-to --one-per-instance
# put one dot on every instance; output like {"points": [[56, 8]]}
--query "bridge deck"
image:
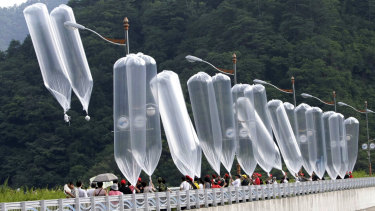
{"points": [[214, 199]]}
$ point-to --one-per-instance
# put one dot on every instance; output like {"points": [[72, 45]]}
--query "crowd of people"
{"points": [[117, 188], [187, 183], [216, 181]]}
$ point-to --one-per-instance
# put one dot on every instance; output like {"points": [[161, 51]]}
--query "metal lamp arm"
{"points": [[330, 104], [104, 37], [281, 90], [362, 112], [216, 68]]}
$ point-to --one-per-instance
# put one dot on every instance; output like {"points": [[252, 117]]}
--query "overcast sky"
{"points": [[9, 3]]}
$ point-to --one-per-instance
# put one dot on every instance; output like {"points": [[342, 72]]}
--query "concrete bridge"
{"points": [[348, 194]]}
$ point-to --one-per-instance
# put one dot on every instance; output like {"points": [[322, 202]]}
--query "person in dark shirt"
{"points": [[245, 181], [124, 188], [226, 180], [139, 186], [346, 175], [314, 177], [161, 185]]}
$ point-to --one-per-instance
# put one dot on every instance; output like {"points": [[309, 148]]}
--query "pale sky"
{"points": [[9, 3]]}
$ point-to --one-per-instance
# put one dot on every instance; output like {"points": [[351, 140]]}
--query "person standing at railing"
{"points": [[284, 179], [300, 177], [207, 182], [215, 185], [213, 178], [226, 180], [100, 191], [271, 180], [90, 191], [220, 181], [350, 174], [237, 181], [201, 183], [161, 185], [260, 178], [69, 190], [314, 177], [139, 187], [124, 188], [245, 181], [149, 188], [191, 182], [184, 184], [81, 193], [114, 191], [256, 180], [196, 182]]}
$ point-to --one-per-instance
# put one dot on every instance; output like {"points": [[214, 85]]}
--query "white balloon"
{"points": [[331, 151], [206, 117], [181, 136], [338, 142], [301, 135], [284, 136], [72, 54], [49, 55], [316, 140], [224, 99], [153, 146], [245, 146], [266, 152], [352, 134]]}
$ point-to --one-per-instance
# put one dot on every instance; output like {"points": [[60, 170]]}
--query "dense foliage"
{"points": [[325, 44], [12, 23]]}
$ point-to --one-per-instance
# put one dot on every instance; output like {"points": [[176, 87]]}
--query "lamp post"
{"points": [[305, 95], [288, 91], [366, 111], [233, 72], [121, 42]]}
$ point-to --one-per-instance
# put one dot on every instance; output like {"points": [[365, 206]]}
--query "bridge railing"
{"points": [[190, 199]]}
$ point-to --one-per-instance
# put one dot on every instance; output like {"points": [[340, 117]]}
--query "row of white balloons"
{"points": [[229, 121], [240, 120]]}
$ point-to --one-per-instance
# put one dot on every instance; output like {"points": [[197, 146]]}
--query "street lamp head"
{"points": [[304, 95], [342, 104], [126, 23], [191, 58], [234, 58], [70, 25], [370, 111], [257, 81]]}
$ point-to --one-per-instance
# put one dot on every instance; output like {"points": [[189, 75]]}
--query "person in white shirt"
{"points": [[274, 180], [90, 191], [185, 185], [237, 182], [81, 193], [284, 179]]}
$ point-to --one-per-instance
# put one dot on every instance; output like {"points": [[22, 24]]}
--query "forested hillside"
{"points": [[12, 23], [325, 44]]}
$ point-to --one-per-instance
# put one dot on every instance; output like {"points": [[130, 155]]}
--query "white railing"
{"points": [[190, 199]]}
